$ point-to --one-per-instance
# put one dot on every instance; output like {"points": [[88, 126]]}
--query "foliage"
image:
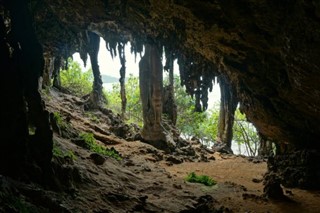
{"points": [[92, 117], [204, 179], [203, 125], [73, 79], [134, 108], [58, 152], [95, 147], [245, 133], [59, 120]]}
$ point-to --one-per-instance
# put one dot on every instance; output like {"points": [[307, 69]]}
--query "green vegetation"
{"points": [[203, 125], [76, 81], [193, 178], [93, 146], [134, 108], [92, 117], [245, 133], [58, 152], [32, 130], [59, 120]]}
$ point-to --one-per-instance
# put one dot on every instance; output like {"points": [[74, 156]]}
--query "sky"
{"points": [[109, 66]]}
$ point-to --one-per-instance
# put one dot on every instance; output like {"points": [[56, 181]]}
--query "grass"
{"points": [[60, 122], [92, 117], [58, 152], [204, 179], [93, 146]]}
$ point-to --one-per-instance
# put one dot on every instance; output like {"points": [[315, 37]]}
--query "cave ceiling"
{"points": [[268, 50]]}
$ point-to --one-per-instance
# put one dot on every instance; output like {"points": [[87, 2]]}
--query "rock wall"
{"points": [[296, 169], [267, 49]]}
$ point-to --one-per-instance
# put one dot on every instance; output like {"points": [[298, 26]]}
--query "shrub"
{"points": [[193, 178], [93, 146], [58, 152], [59, 120]]}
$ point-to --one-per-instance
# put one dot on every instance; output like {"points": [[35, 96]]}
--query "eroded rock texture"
{"points": [[267, 49], [26, 136]]}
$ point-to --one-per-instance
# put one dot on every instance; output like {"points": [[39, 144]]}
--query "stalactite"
{"points": [[122, 56], [228, 106], [56, 71], [136, 47], [197, 75], [112, 40], [96, 98], [83, 46]]}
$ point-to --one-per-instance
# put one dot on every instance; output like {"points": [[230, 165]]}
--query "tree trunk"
{"points": [[121, 49], [151, 83], [96, 98], [228, 106], [169, 105]]}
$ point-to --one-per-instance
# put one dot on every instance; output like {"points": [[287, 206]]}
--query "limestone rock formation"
{"points": [[267, 49]]}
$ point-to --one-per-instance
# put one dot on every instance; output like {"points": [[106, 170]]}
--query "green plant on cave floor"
{"points": [[93, 146], [58, 152], [203, 179], [92, 117], [59, 120], [45, 92]]}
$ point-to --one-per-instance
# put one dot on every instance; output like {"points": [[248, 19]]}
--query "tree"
{"points": [[203, 125], [245, 133], [76, 81], [133, 109], [169, 105]]}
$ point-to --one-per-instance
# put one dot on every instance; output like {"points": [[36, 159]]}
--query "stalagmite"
{"points": [[150, 75], [228, 105]]}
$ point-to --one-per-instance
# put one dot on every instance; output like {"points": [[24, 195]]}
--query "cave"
{"points": [[265, 53]]}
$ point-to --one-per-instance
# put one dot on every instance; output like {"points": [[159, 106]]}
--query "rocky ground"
{"points": [[145, 179]]}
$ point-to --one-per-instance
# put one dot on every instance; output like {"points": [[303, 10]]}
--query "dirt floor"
{"points": [[146, 179], [240, 183]]}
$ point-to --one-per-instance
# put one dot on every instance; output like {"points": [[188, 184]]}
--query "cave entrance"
{"points": [[245, 139]]}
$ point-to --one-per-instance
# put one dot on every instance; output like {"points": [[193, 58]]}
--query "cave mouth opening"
{"points": [[110, 65], [280, 80]]}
